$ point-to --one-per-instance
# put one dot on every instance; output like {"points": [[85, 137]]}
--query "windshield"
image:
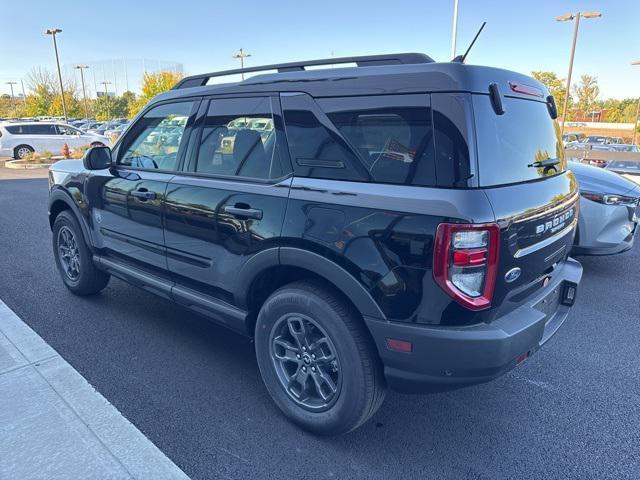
{"points": [[513, 147]]}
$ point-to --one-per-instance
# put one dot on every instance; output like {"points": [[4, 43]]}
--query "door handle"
{"points": [[243, 212], [143, 194]]}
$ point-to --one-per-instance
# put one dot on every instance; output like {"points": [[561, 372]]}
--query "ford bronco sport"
{"points": [[400, 223]]}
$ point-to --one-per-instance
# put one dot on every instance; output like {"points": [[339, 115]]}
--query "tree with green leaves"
{"points": [[152, 85], [556, 86], [586, 92], [106, 107]]}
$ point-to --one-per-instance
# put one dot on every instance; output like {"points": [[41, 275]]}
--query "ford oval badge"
{"points": [[512, 275]]}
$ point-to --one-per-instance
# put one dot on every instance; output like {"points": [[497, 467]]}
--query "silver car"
{"points": [[609, 211]]}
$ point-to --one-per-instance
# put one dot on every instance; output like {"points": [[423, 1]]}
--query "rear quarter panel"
{"points": [[383, 236]]}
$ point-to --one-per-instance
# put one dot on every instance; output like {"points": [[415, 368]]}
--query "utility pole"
{"points": [[635, 124], [242, 55], [106, 94], [13, 100], [84, 91], [53, 32], [564, 18], [454, 34], [24, 95]]}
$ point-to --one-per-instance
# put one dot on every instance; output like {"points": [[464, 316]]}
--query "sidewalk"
{"points": [[54, 425]]}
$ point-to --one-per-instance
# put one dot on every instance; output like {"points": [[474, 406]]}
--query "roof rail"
{"points": [[363, 61]]}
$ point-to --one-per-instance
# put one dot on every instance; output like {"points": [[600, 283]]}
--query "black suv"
{"points": [[399, 222]]}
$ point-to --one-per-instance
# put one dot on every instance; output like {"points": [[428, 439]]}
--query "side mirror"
{"points": [[97, 158]]}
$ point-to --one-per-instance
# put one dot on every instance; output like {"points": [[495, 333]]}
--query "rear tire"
{"points": [[21, 151], [73, 257], [306, 319]]}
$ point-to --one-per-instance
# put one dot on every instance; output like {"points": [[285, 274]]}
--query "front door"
{"points": [[127, 217], [229, 203]]}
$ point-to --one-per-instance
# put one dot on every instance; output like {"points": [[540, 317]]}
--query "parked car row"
{"points": [[581, 138], [364, 238]]}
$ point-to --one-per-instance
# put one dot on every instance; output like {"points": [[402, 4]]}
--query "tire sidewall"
{"points": [[347, 408], [67, 219], [15, 151]]}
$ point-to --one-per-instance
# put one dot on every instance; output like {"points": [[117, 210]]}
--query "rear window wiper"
{"points": [[549, 162]]}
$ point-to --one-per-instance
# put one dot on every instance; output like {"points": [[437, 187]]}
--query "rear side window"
{"points": [[391, 134], [510, 144], [33, 129], [239, 139], [317, 149]]}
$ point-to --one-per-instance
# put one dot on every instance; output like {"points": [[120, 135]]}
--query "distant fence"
{"points": [[602, 155]]}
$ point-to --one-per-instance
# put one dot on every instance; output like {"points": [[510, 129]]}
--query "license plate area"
{"points": [[549, 304]]}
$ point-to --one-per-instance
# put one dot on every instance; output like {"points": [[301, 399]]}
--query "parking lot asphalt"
{"points": [[570, 411]]}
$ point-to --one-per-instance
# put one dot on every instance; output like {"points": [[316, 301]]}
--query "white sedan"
{"points": [[20, 139]]}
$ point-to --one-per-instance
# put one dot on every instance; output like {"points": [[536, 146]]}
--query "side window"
{"points": [[316, 147], [154, 141], [35, 129], [392, 134], [451, 114], [66, 130], [238, 138]]}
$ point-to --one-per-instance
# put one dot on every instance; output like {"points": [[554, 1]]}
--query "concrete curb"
{"points": [[21, 164], [55, 425]]}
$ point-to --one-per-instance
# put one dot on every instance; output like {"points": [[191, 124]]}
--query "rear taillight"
{"points": [[465, 262]]}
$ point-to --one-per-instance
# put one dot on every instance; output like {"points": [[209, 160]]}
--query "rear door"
{"points": [[44, 137], [228, 204], [128, 199], [70, 135]]}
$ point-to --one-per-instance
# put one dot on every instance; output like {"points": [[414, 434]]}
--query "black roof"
{"points": [[367, 79]]}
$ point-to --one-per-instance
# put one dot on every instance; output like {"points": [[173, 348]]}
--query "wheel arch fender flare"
{"points": [[60, 195], [317, 264]]}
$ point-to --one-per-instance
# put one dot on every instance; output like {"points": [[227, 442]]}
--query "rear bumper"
{"points": [[450, 357]]}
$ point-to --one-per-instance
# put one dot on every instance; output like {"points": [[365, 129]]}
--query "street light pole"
{"points": [[564, 18], [106, 94], [53, 32], [242, 55], [84, 91], [454, 34], [13, 100], [635, 124]]}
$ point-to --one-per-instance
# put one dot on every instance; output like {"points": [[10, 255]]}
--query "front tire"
{"points": [[317, 360], [73, 257]]}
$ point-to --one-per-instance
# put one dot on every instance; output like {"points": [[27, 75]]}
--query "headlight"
{"points": [[610, 198]]}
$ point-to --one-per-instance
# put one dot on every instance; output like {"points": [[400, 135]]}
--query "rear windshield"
{"points": [[511, 143]]}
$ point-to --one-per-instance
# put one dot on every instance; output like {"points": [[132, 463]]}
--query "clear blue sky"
{"points": [[520, 35]]}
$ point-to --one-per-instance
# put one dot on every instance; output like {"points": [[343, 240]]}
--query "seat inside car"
{"points": [[249, 155]]}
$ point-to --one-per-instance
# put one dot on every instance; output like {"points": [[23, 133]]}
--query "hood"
{"points": [[599, 180]]}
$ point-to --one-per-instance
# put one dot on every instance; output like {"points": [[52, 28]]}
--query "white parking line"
{"points": [[53, 424]]}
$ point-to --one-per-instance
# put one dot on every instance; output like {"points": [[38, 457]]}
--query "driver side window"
{"points": [[154, 141]]}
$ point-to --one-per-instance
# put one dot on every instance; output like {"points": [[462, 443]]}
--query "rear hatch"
{"points": [[535, 204]]}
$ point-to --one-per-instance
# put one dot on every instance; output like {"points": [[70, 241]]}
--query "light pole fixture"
{"points": [[13, 100], [242, 55], [635, 124], [106, 94], [454, 33], [53, 32], [84, 91], [566, 18]]}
